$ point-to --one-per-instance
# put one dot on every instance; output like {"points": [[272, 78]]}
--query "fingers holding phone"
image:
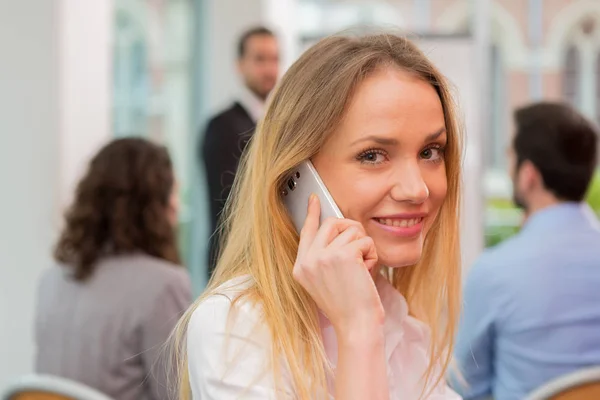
{"points": [[333, 265]]}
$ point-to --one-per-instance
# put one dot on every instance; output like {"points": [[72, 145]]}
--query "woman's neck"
{"points": [[375, 272]]}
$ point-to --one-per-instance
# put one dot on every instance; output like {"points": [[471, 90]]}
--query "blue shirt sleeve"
{"points": [[474, 347]]}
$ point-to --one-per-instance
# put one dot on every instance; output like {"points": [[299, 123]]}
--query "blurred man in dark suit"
{"points": [[228, 132]]}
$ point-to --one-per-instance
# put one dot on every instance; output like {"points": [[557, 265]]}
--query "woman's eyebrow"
{"points": [[386, 141], [435, 135], [377, 139]]}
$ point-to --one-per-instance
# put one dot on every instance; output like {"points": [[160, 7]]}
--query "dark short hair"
{"points": [[120, 206], [560, 143], [248, 34]]}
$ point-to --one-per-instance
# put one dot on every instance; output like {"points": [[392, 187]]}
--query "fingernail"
{"points": [[312, 198]]}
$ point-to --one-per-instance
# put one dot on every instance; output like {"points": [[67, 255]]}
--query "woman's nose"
{"points": [[409, 185]]}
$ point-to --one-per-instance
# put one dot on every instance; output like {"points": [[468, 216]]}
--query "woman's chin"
{"points": [[400, 257]]}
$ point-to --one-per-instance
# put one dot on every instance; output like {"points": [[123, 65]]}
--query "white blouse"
{"points": [[229, 355]]}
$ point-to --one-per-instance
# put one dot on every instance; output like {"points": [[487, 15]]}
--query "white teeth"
{"points": [[402, 223]]}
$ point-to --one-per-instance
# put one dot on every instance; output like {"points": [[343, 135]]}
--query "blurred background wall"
{"points": [[55, 100], [29, 174], [75, 74]]}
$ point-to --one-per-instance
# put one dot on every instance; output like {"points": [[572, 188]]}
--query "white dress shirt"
{"points": [[229, 349], [254, 106]]}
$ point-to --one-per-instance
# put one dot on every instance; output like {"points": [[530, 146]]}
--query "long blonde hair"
{"points": [[260, 240]]}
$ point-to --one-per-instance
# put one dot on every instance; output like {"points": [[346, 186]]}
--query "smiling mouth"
{"points": [[399, 222]]}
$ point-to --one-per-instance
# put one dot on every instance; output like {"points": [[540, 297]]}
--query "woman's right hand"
{"points": [[333, 264]]}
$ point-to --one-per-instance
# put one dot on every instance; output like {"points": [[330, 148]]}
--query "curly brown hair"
{"points": [[120, 206]]}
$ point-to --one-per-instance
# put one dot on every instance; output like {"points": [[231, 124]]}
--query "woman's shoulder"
{"points": [[229, 345], [151, 264], [226, 308], [226, 337], [155, 274]]}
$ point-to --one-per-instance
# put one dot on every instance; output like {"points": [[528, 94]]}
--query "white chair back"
{"points": [[47, 387], [580, 385]]}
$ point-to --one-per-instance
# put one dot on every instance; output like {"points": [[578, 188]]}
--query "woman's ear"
{"points": [[173, 205]]}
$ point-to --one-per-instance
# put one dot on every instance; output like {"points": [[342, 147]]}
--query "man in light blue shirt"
{"points": [[532, 304]]}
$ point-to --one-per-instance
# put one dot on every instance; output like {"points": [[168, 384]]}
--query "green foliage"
{"points": [[593, 194]]}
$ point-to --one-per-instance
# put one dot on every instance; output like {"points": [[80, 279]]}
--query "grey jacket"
{"points": [[109, 331]]}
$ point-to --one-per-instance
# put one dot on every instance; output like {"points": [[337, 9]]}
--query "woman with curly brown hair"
{"points": [[104, 312]]}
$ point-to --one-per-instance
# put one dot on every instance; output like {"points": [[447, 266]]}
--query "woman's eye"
{"points": [[432, 154], [372, 157]]}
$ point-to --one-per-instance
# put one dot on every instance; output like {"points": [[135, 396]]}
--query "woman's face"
{"points": [[384, 164], [174, 205]]}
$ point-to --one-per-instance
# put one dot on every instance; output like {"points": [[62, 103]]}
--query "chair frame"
{"points": [[563, 383], [52, 385]]}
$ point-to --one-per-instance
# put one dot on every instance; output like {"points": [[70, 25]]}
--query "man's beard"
{"points": [[518, 199], [258, 91]]}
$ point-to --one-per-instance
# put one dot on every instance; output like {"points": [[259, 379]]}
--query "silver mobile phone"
{"points": [[303, 181]]}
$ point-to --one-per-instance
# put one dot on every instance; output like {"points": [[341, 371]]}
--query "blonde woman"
{"points": [[350, 309]]}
